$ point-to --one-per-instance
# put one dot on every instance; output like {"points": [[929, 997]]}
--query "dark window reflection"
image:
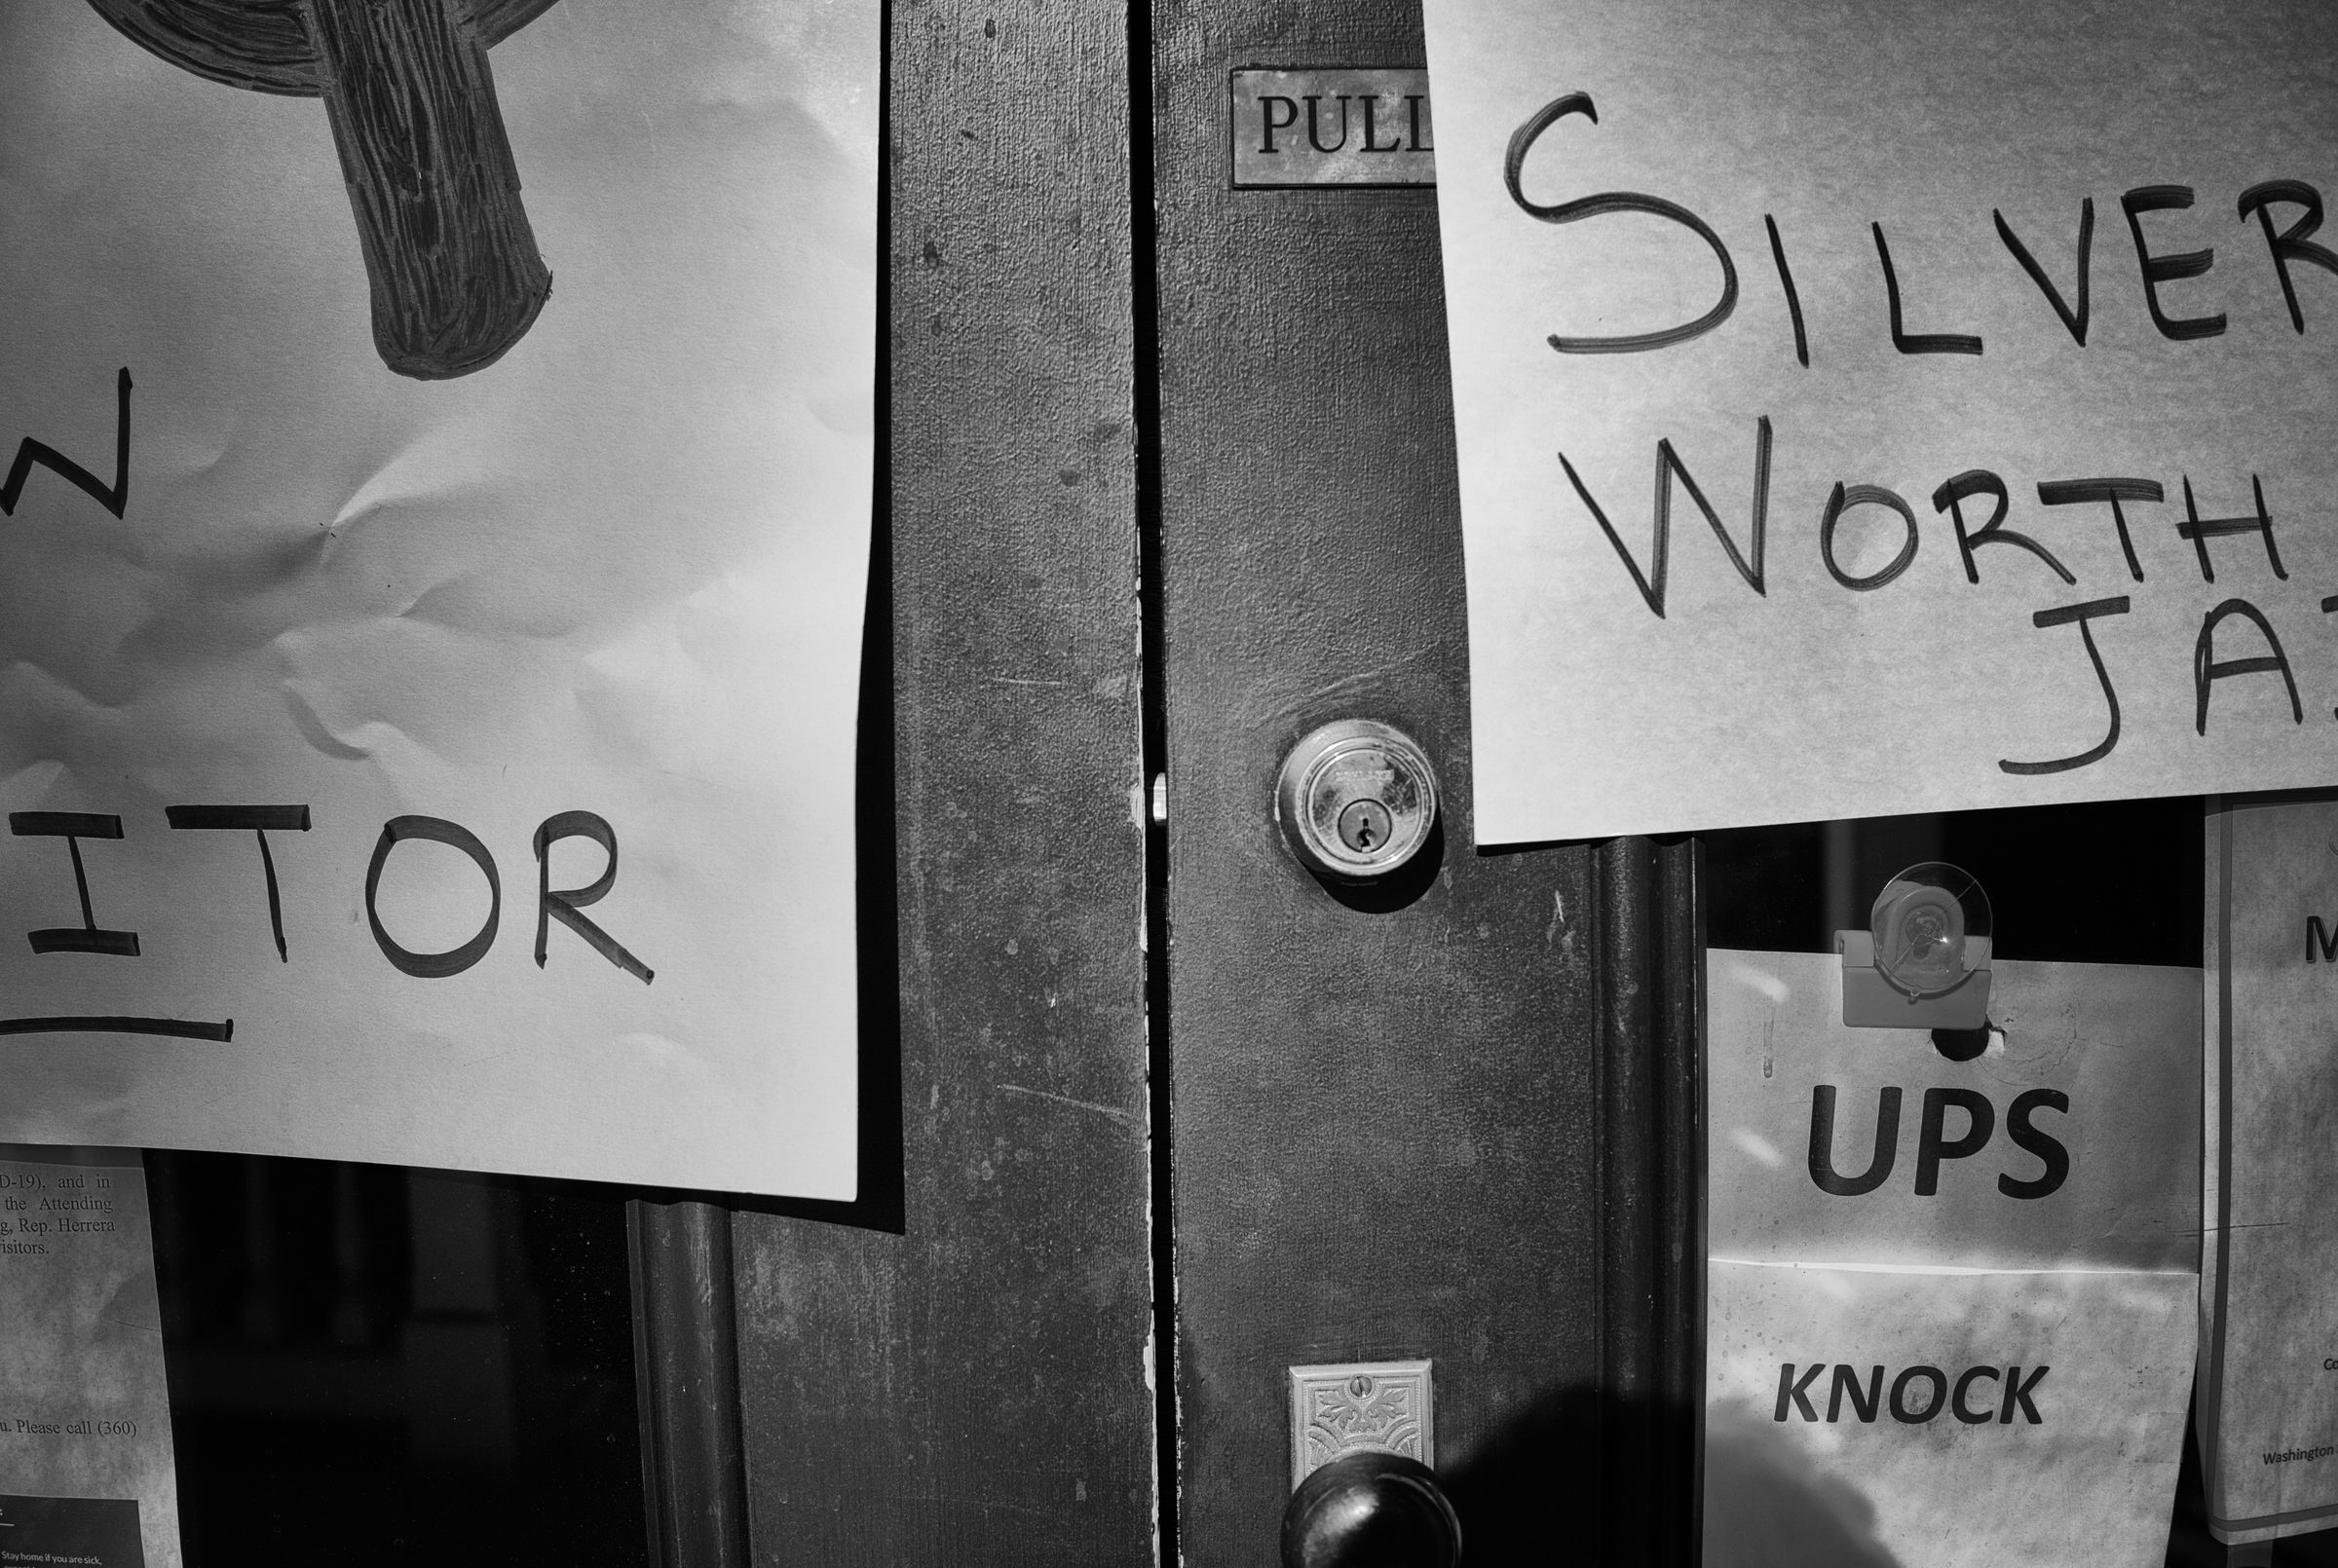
{"points": [[374, 1365], [2115, 882]]}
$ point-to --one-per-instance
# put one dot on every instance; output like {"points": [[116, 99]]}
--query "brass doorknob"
{"points": [[1371, 1511]]}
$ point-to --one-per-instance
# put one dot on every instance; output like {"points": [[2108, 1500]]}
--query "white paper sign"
{"points": [[1889, 406], [87, 1472], [2269, 1283], [436, 447], [1949, 1305]]}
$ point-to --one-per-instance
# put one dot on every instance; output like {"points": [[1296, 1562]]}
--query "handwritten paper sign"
{"points": [[2269, 1353], [87, 1473], [436, 441], [1887, 407], [1949, 1303]]}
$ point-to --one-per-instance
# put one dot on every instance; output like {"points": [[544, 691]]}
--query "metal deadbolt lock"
{"points": [[1356, 800]]}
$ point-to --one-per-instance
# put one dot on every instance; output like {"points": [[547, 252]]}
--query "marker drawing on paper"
{"points": [[455, 274], [342, 666]]}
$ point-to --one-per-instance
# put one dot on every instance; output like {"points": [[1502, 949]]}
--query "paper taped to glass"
{"points": [[2269, 1270], [87, 1473], [436, 445], [1949, 1303]]}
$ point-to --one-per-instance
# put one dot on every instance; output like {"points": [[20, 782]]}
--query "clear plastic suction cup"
{"points": [[1925, 923]]}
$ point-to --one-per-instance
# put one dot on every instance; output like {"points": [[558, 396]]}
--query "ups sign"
{"points": [[1936, 1145]]}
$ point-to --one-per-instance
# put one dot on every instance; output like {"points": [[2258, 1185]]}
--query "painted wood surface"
{"points": [[956, 1369], [1449, 1120], [1456, 1119]]}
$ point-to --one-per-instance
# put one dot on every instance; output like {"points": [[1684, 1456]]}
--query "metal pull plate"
{"points": [[1360, 1406]]}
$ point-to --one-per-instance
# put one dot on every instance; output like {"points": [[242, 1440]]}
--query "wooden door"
{"points": [[1453, 1118], [956, 1368], [1172, 482], [1164, 1115]]}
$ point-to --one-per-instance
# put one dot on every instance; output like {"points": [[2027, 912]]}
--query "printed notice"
{"points": [[87, 1474], [435, 454], [1884, 407], [1948, 1298], [2269, 1354]]}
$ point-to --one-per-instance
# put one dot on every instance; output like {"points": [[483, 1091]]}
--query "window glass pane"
{"points": [[377, 1364]]}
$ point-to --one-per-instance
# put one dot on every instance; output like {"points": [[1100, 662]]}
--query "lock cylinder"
{"points": [[1356, 800]]}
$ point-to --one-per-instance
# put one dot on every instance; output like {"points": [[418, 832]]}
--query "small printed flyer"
{"points": [[87, 1474], [1949, 1293], [2268, 1412]]}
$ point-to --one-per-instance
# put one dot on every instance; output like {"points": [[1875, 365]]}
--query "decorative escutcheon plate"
{"points": [[1383, 1406]]}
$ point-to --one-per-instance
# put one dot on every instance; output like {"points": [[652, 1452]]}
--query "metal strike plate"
{"points": [[1356, 800], [1369, 1406]]}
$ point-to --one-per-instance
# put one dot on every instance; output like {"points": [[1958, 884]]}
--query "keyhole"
{"points": [[1364, 826]]}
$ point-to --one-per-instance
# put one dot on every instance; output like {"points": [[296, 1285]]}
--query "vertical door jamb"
{"points": [[1651, 946], [685, 1381]]}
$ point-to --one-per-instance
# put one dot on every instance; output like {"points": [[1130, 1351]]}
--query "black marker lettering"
{"points": [[1514, 165], [1822, 1144], [453, 961], [2200, 530], [2045, 1145], [2082, 613], [1950, 499], [567, 906], [2074, 321], [1793, 301], [2071, 492], [1270, 125], [1843, 498], [258, 820], [73, 827], [2292, 243], [114, 499], [2170, 268], [176, 1028], [2206, 669], [1916, 342], [1669, 464]]}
